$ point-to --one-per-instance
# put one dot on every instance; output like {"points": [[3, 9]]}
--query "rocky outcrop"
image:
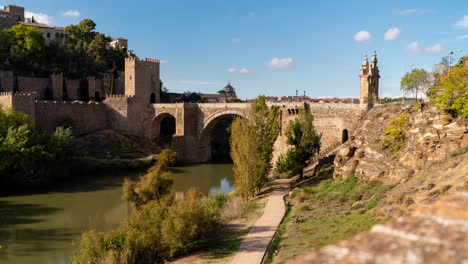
{"points": [[435, 234], [431, 138]]}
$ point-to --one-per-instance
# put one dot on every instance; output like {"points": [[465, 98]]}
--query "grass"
{"points": [[325, 213]]}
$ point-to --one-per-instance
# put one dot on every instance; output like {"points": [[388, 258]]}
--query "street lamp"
{"points": [[404, 73], [450, 56]]}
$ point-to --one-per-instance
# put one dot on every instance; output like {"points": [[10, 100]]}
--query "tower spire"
{"points": [[374, 58]]}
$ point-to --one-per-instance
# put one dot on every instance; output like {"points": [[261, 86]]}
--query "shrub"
{"points": [[395, 133], [451, 92], [156, 184], [156, 232]]}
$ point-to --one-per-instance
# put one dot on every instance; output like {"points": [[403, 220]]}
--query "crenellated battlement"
{"points": [[66, 102], [152, 60], [17, 94], [119, 96]]}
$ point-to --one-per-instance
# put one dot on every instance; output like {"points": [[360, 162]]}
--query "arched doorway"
{"points": [[152, 98], [215, 139], [344, 136], [163, 128]]}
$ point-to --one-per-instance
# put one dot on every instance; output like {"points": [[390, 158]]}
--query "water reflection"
{"points": [[46, 227]]}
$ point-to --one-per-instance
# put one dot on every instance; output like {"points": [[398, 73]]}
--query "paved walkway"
{"points": [[254, 246]]}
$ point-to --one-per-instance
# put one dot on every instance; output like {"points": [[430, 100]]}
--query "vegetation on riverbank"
{"points": [[28, 157], [323, 212], [252, 143], [159, 228]]}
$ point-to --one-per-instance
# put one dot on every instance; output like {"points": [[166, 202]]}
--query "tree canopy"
{"points": [[252, 143], [451, 91], [84, 53], [417, 81]]}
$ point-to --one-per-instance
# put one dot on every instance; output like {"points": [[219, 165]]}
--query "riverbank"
{"points": [[45, 226]]}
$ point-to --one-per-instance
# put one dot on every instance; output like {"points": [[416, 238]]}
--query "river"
{"points": [[45, 228]]}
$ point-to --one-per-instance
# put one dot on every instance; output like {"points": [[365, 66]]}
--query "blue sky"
{"points": [[273, 47]]}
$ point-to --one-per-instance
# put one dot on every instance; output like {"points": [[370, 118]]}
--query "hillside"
{"points": [[367, 183]]}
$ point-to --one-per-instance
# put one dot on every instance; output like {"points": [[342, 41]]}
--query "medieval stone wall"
{"points": [[86, 117], [6, 81], [116, 112], [330, 120], [6, 100], [36, 85]]}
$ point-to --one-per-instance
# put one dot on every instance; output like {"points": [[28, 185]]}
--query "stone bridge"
{"points": [[195, 122]]}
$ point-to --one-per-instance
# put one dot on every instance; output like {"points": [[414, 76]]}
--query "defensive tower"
{"points": [[142, 79]]}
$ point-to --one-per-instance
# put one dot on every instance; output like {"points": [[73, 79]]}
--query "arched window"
{"points": [[344, 136], [152, 98]]}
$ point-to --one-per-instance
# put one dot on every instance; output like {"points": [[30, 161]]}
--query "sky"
{"points": [[274, 47]]}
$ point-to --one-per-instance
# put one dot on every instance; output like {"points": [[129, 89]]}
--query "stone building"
{"points": [[223, 95], [119, 43], [49, 33], [369, 82], [11, 15]]}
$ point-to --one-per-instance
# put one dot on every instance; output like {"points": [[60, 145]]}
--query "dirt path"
{"points": [[253, 247]]}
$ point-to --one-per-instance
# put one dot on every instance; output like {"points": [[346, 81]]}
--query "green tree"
{"points": [[451, 92], [25, 47], [83, 33], [416, 81], [303, 139], [252, 143]]}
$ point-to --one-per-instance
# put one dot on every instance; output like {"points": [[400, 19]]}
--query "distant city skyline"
{"points": [[273, 47]]}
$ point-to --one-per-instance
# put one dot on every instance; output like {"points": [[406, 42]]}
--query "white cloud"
{"points": [[363, 36], [39, 17], [392, 34], [236, 40], [462, 22], [251, 14], [241, 71], [197, 82], [406, 12], [463, 37], [71, 13], [414, 47], [281, 63]]}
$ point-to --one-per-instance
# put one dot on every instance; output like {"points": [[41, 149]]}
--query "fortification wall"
{"points": [[330, 120], [6, 100], [24, 102], [34, 85], [72, 89], [6, 81], [86, 117], [116, 112]]}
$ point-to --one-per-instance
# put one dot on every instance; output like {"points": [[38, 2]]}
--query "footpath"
{"points": [[254, 246]]}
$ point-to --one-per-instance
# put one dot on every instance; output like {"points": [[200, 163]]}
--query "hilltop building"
{"points": [[119, 43], [221, 96]]}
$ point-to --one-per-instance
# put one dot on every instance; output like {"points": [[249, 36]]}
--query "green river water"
{"points": [[45, 228]]}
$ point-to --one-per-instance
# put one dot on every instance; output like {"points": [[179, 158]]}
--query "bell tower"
{"points": [[369, 82]]}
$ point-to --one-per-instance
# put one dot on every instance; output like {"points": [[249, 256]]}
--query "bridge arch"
{"points": [[209, 125], [163, 125]]}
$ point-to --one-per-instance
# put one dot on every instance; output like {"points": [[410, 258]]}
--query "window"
{"points": [[61, 35], [48, 34], [56, 34]]}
